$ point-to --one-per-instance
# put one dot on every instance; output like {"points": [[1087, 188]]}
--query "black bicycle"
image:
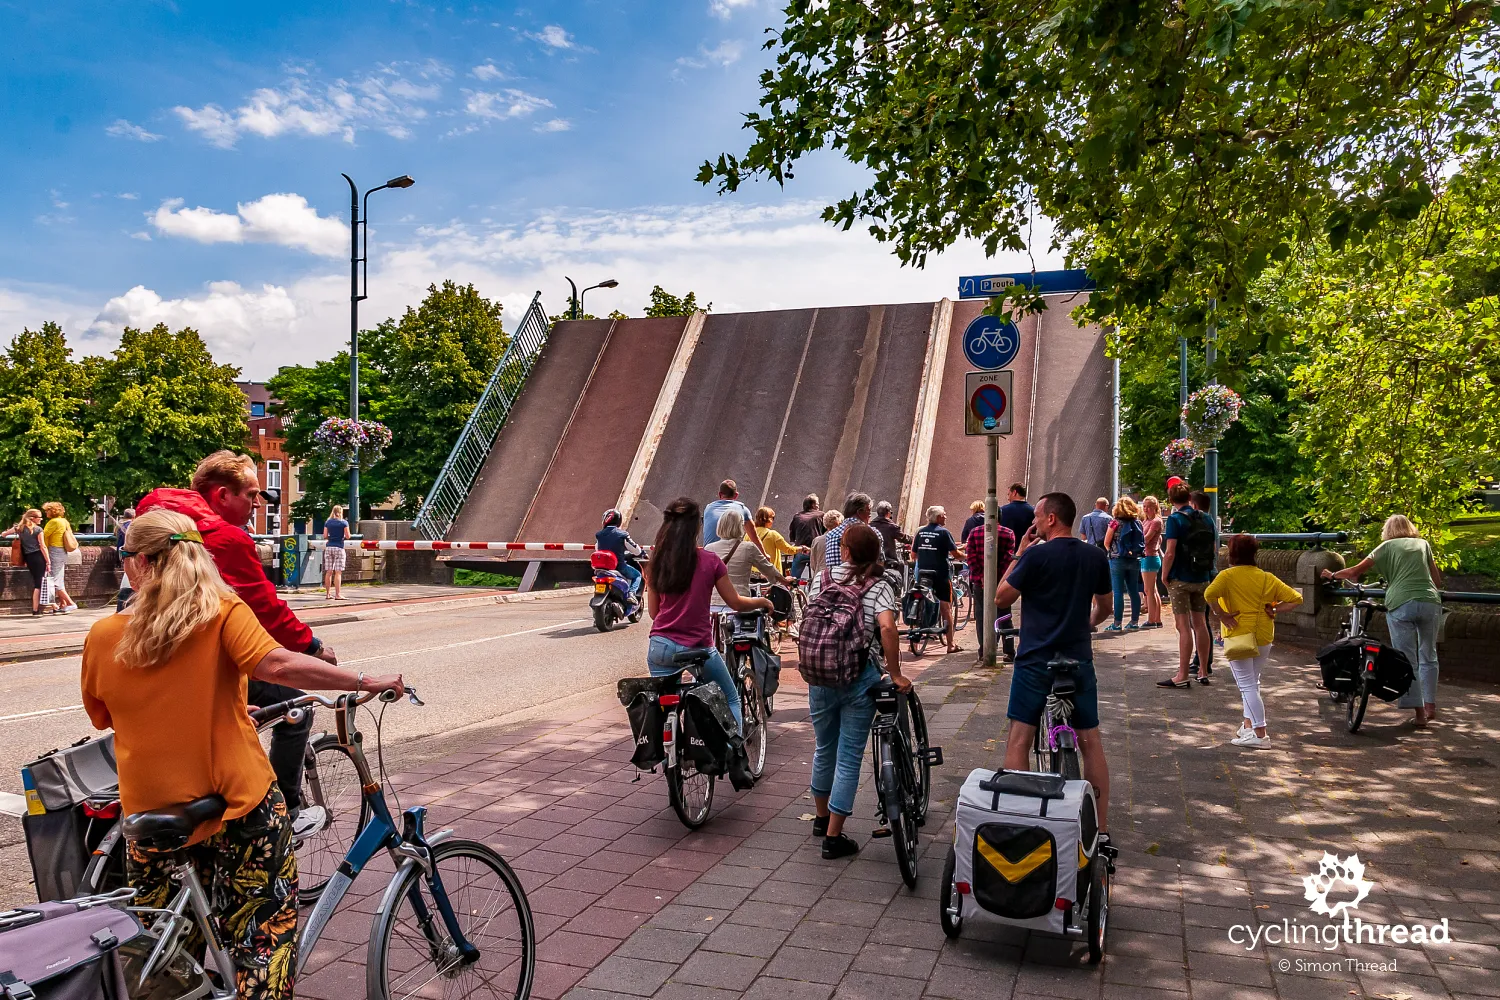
{"points": [[690, 791], [1354, 695], [903, 771], [747, 631], [1055, 747]]}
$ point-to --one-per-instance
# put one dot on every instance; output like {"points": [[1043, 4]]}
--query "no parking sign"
{"points": [[989, 408]]}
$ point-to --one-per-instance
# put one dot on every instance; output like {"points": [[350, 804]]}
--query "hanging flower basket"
{"points": [[339, 442], [1210, 411], [1179, 456]]}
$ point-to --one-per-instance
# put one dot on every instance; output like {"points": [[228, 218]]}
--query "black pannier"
{"points": [[641, 697]]}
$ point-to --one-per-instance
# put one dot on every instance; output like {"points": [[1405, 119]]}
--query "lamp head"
{"points": [[404, 181], [609, 283]]}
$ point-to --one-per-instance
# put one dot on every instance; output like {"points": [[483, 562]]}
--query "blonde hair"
{"points": [[54, 509], [1150, 505], [731, 525], [223, 468], [832, 519], [1127, 509], [32, 514], [338, 511], [763, 516], [976, 506], [1398, 526], [182, 593]]}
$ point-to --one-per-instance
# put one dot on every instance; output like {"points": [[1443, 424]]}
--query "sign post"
{"points": [[989, 413]]}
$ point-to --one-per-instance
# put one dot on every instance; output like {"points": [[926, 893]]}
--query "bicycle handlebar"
{"points": [[270, 712]]}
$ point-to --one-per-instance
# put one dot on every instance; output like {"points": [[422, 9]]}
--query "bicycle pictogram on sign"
{"points": [[991, 343]]}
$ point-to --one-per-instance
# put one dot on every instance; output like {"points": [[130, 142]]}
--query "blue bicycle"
{"points": [[454, 920]]}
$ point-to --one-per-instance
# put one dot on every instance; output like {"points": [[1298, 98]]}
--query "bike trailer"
{"points": [[62, 788], [65, 950], [1024, 842]]}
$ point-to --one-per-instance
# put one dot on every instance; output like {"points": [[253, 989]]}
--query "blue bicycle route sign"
{"points": [[991, 342], [985, 286]]}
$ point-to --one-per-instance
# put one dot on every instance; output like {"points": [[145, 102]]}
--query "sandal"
{"points": [[1171, 682]]}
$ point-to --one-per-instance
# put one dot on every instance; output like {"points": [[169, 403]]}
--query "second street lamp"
{"points": [[359, 257], [577, 311]]}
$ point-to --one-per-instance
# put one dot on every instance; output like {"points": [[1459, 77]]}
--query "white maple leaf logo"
{"points": [[1333, 872]]}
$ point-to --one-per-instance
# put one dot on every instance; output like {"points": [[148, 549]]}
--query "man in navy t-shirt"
{"points": [[1065, 588]]}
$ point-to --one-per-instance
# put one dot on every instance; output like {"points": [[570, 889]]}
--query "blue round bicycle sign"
{"points": [[991, 343]]}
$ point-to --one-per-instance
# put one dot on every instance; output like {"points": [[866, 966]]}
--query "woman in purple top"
{"points": [[679, 579]]}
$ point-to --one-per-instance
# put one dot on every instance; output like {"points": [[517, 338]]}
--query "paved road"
{"points": [[475, 667]]}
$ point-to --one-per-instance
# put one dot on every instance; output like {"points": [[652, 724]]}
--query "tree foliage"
{"points": [[664, 303], [43, 394], [420, 376], [1179, 147]]}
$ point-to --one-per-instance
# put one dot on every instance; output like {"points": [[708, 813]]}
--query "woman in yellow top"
{"points": [[772, 541], [57, 533], [169, 675], [1247, 598]]}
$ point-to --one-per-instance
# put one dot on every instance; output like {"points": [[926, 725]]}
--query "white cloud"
{"points": [[284, 219], [726, 53], [502, 105], [128, 130], [724, 9], [128, 196], [553, 37], [231, 318], [488, 73], [554, 125], [390, 99]]}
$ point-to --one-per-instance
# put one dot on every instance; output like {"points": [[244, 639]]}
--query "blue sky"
{"points": [[180, 162]]}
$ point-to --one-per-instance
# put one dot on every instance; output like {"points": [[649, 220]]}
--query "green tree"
{"points": [[664, 303], [158, 404], [43, 392], [1177, 148]]}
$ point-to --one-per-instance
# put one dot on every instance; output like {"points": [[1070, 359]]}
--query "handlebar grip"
{"points": [[267, 712], [388, 695]]}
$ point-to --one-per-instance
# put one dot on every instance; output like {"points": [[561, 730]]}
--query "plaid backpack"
{"points": [[831, 647]]}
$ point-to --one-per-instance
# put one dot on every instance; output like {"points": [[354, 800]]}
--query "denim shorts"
{"points": [[1030, 685], [1150, 564]]}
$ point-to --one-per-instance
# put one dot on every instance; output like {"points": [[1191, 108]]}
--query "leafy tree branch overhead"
{"points": [[1178, 147]]}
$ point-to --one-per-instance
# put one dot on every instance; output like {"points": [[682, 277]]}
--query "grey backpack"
{"points": [[64, 950]]}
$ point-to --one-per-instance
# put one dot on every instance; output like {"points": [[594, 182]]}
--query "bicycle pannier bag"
{"points": [[918, 611], [1198, 543], [710, 738], [1023, 843], [1393, 674], [641, 697], [831, 645], [1340, 662], [59, 951], [767, 667], [56, 829]]}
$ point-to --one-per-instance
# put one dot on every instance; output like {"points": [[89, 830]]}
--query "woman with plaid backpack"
{"points": [[848, 635]]}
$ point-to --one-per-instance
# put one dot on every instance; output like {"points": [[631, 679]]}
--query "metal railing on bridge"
{"points": [[446, 498]]}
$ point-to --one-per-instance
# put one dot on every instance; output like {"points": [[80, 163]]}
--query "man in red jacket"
{"points": [[226, 491]]}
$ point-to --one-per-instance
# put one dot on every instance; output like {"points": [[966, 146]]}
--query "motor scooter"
{"points": [[612, 598]]}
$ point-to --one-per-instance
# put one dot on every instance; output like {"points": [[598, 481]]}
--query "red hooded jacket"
{"points": [[234, 554]]}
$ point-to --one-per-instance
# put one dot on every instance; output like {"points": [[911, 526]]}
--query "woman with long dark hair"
{"points": [[680, 579]]}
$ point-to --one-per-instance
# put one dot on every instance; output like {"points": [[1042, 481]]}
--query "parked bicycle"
{"points": [[903, 765], [963, 594], [1055, 748]]}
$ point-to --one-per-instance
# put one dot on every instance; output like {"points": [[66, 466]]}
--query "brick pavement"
{"points": [[630, 904]]}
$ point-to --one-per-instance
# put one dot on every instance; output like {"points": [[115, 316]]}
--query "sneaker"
{"points": [[1113, 628], [1133, 627], [308, 821], [67, 610], [1242, 730], [839, 847], [1251, 740], [820, 826]]}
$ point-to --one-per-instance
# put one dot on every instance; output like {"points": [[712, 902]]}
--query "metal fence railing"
{"points": [[446, 498]]}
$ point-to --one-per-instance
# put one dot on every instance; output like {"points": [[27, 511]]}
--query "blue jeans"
{"points": [[799, 563], [1125, 577], [1414, 630], [659, 658], [633, 577], [841, 719]]}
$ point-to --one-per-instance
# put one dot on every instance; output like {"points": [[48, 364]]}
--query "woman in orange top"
{"points": [[169, 674]]}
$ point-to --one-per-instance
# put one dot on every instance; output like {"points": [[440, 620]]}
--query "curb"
{"points": [[374, 613]]}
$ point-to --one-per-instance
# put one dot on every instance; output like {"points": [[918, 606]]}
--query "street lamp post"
{"points": [[357, 260], [577, 301]]}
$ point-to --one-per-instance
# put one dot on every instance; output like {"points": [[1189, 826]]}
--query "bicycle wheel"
{"points": [[918, 644], [1098, 914], [950, 904], [895, 798], [922, 772], [961, 605], [756, 735], [411, 952], [691, 794], [1354, 708], [330, 782]]}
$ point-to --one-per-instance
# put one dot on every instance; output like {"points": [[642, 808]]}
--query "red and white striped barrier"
{"points": [[426, 546]]}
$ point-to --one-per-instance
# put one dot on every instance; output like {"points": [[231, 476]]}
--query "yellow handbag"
{"points": [[1242, 646]]}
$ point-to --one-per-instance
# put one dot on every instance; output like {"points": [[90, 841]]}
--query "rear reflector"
{"points": [[742, 647], [668, 700], [107, 810], [963, 888], [1372, 649], [1063, 904]]}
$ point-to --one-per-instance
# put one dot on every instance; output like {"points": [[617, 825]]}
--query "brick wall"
{"points": [[97, 578]]}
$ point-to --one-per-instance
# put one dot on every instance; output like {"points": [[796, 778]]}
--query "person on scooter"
{"points": [[226, 491], [612, 537]]}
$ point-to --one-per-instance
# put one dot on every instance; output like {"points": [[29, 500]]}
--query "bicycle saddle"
{"points": [[170, 827], [692, 657]]}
